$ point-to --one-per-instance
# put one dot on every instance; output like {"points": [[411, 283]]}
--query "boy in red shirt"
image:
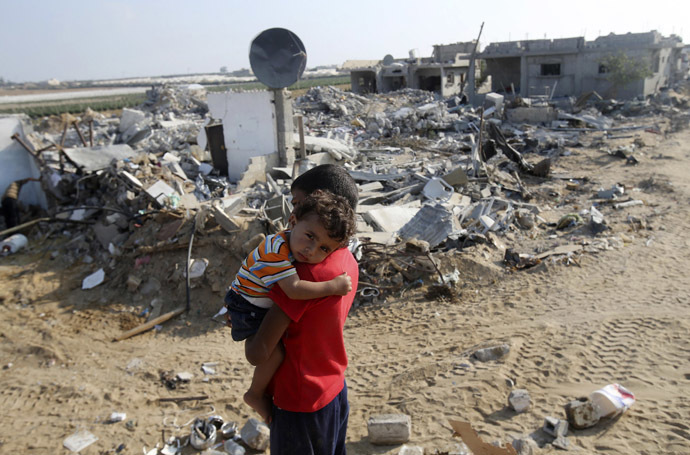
{"points": [[320, 225], [310, 407]]}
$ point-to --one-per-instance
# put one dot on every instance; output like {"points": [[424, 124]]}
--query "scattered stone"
{"points": [[582, 413], [233, 448], [555, 427], [79, 441], [492, 353], [561, 442], [519, 400], [133, 282], [597, 222], [411, 450], [117, 417], [184, 376], [256, 434], [388, 429], [526, 446]]}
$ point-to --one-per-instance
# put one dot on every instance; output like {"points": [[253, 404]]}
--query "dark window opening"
{"points": [[603, 69], [430, 83], [450, 79], [551, 69]]}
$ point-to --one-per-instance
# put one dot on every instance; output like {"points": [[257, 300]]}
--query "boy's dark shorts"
{"points": [[245, 316]]}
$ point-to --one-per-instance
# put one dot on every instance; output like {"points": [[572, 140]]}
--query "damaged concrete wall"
{"points": [[363, 81], [572, 66], [249, 126], [16, 163]]}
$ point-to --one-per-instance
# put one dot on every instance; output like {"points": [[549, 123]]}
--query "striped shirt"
{"points": [[269, 263]]}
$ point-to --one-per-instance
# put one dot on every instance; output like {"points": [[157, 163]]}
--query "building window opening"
{"points": [[551, 69], [603, 69], [450, 79]]}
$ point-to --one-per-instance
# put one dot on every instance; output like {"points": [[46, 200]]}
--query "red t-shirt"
{"points": [[313, 371]]}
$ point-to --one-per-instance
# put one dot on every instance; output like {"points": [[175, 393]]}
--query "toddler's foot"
{"points": [[260, 403]]}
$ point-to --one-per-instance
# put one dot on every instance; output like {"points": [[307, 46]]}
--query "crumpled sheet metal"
{"points": [[433, 224]]}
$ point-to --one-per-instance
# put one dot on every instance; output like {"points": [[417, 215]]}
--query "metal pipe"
{"points": [[64, 134], [26, 146], [81, 136]]}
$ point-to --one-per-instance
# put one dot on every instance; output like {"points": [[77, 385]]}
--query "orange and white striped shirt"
{"points": [[269, 263]]}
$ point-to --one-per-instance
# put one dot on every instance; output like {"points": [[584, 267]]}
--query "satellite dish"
{"points": [[388, 60], [277, 57]]}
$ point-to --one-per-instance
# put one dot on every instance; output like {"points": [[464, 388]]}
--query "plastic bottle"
{"points": [[13, 244]]}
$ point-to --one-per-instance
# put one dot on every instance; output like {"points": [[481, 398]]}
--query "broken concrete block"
{"points": [[537, 114], [390, 219], [486, 192], [184, 376], [233, 448], [161, 192], [597, 222], [519, 400], [611, 193], [494, 100], [256, 434], [129, 118], [223, 219], [387, 429], [131, 179], [457, 177], [133, 283], [371, 186], [526, 446], [438, 190], [561, 442], [555, 427], [411, 450], [582, 413], [487, 222], [492, 353]]}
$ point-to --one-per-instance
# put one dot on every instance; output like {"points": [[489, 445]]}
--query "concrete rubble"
{"points": [[435, 183]]}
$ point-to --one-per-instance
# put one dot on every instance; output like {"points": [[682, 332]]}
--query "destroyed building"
{"points": [[573, 66], [445, 72]]}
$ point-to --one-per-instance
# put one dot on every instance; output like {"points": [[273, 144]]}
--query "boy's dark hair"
{"points": [[328, 177], [334, 212]]}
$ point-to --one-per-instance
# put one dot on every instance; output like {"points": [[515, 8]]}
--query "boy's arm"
{"points": [[298, 289], [259, 348]]}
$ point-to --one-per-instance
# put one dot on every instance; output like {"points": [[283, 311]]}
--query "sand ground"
{"points": [[616, 315]]}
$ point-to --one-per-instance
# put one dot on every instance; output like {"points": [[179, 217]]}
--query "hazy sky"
{"points": [[102, 39]]}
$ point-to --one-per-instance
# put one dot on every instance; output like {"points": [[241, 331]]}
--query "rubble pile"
{"points": [[439, 182], [436, 178]]}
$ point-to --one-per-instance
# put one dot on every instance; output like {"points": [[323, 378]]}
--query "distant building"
{"points": [[572, 66], [445, 72]]}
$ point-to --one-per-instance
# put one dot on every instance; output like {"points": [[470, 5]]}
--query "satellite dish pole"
{"points": [[278, 59]]}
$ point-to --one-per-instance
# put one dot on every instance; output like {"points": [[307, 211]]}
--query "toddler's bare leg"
{"points": [[256, 395]]}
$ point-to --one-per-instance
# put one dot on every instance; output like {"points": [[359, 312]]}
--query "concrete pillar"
{"points": [[579, 74], [284, 126], [443, 82], [524, 79]]}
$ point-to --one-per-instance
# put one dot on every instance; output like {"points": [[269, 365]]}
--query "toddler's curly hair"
{"points": [[334, 212]]}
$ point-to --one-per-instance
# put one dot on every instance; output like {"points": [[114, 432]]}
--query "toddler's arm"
{"points": [[298, 289]]}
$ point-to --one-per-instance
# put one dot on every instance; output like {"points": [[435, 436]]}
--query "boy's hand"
{"points": [[342, 284]]}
